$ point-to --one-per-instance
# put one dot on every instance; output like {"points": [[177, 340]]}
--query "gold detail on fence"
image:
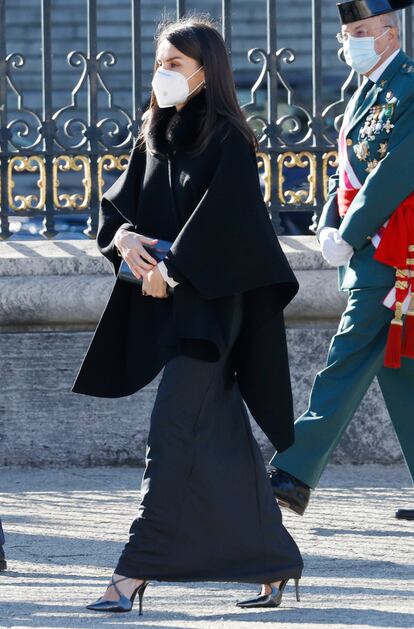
{"points": [[263, 161], [329, 160], [65, 164], [31, 164], [107, 163], [305, 159]]}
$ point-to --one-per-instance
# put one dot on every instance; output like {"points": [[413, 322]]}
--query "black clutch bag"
{"points": [[157, 251]]}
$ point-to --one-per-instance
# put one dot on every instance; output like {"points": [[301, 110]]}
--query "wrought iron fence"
{"points": [[56, 143]]}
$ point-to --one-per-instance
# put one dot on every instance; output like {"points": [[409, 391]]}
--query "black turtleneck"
{"points": [[171, 129]]}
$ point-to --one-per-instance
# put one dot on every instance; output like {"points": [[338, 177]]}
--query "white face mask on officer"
{"points": [[360, 53], [171, 88]]}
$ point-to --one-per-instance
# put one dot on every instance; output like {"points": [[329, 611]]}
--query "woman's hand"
{"points": [[131, 248], [154, 285]]}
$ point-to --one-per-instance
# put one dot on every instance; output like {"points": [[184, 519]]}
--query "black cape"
{"points": [[211, 207]]}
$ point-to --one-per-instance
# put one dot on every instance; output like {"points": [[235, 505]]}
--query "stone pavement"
{"points": [[66, 527]]}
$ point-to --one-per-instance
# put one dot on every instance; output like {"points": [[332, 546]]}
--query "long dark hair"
{"points": [[197, 38]]}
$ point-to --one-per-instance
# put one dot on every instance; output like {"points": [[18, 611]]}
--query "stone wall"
{"points": [[51, 296]]}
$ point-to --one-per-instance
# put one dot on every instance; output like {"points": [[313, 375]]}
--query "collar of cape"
{"points": [[171, 129]]}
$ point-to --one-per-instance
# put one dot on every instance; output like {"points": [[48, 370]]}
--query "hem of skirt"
{"points": [[292, 573]]}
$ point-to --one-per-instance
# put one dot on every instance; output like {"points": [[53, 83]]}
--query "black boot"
{"points": [[290, 492], [405, 514]]}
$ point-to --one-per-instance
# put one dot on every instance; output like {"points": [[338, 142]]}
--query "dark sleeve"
{"points": [[386, 186], [228, 245], [330, 216], [109, 222], [118, 206], [173, 271]]}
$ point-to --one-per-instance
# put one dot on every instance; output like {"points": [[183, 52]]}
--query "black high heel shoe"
{"points": [[123, 604], [270, 600]]}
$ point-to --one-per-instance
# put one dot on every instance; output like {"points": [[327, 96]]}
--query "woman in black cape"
{"points": [[207, 511]]}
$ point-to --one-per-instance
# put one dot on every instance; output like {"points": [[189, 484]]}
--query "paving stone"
{"points": [[66, 527]]}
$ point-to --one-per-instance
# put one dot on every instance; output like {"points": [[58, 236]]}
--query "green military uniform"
{"points": [[380, 148]]}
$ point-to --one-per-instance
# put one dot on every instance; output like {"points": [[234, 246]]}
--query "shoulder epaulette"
{"points": [[407, 68]]}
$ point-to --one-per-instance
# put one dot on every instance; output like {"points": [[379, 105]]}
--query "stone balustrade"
{"points": [[52, 294]]}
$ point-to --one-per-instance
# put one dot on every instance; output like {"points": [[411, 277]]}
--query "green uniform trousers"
{"points": [[356, 356]]}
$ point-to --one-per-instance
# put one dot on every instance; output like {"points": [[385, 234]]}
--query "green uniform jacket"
{"points": [[384, 163]]}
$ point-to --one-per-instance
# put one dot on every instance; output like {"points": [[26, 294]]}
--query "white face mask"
{"points": [[171, 87], [360, 53]]}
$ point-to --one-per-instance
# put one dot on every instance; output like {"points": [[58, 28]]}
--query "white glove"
{"points": [[335, 250]]}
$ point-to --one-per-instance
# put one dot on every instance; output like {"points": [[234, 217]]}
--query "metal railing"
{"points": [[67, 141]]}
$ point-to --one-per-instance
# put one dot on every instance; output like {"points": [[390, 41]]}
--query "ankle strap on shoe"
{"points": [[114, 584]]}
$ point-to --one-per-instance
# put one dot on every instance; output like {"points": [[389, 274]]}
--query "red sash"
{"points": [[396, 249], [345, 197]]}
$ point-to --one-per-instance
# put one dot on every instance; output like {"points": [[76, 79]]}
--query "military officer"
{"points": [[375, 175]]}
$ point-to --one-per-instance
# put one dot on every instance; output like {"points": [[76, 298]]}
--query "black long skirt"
{"points": [[207, 511]]}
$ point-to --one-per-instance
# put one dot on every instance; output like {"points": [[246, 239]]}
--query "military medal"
{"points": [[371, 166], [388, 126], [372, 130], [365, 130], [388, 111], [362, 150], [383, 148], [376, 125], [390, 98]]}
